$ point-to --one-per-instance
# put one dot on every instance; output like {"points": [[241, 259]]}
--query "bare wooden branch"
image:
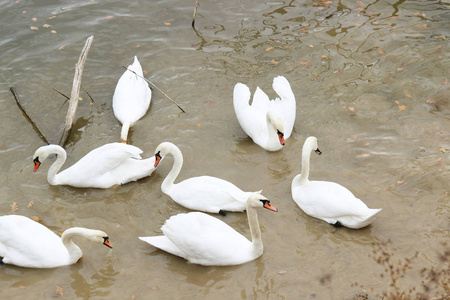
{"points": [[242, 5], [157, 89], [27, 116], [73, 103], [197, 3]]}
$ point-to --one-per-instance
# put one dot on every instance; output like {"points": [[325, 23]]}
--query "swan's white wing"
{"points": [[163, 243], [285, 106], [26, 243], [209, 194], [252, 118], [205, 239]]}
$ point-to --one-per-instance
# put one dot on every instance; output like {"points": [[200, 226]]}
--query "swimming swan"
{"points": [[326, 200], [26, 243], [205, 240], [204, 193], [131, 98], [268, 122], [103, 167]]}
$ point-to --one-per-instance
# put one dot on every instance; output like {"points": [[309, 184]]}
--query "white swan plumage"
{"points": [[205, 240], [268, 122], [26, 243], [131, 98], [204, 193], [103, 167], [326, 200]]}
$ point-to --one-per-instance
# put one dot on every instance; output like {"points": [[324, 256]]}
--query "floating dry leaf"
{"points": [[60, 48], [401, 69], [400, 182], [365, 155], [51, 18], [401, 107], [155, 288], [167, 23], [442, 149], [311, 46], [288, 47], [442, 37], [408, 95], [357, 24], [351, 108], [359, 3], [30, 204], [36, 218], [416, 13], [53, 31], [269, 48], [282, 272], [305, 63], [209, 101], [323, 56], [34, 19], [274, 62], [14, 207], [109, 17], [46, 25], [133, 297], [380, 51], [59, 291], [34, 28]]}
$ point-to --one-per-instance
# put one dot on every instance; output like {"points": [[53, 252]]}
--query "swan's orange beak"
{"points": [[106, 242], [37, 163], [157, 159], [269, 206], [281, 138]]}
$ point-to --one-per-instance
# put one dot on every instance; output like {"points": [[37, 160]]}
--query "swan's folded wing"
{"points": [[163, 243]]}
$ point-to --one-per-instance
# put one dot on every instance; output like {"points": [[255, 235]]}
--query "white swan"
{"points": [[268, 122], [131, 98], [26, 243], [205, 240], [103, 167], [204, 193], [326, 200]]}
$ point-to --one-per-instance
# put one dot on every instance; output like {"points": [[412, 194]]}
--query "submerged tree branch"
{"points": [[197, 3], [27, 116], [157, 89], [73, 103]]}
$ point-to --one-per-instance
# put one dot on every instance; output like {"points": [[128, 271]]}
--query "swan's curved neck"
{"points": [[306, 155], [271, 128], [255, 231], [176, 168], [60, 159], [66, 238], [124, 132]]}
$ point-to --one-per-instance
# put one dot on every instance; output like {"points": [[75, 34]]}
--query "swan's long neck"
{"points": [[255, 231], [306, 154], [124, 132], [271, 128], [168, 182], [66, 238], [60, 159]]}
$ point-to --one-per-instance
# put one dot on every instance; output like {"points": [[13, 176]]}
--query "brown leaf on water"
{"points": [[401, 182], [442, 37], [36, 218], [269, 48], [34, 19], [155, 288], [359, 3], [109, 17], [30, 204], [288, 47], [22, 287], [351, 108], [416, 13], [442, 149], [209, 101], [305, 63], [60, 48], [274, 62], [53, 31], [46, 25], [282, 272], [401, 107], [399, 69], [14, 207], [440, 160], [133, 297], [34, 28], [380, 51], [365, 155], [408, 95], [311, 46], [59, 291], [51, 18], [167, 23]]}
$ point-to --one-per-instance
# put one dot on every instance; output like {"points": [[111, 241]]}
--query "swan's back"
{"points": [[26, 243], [285, 106], [207, 240]]}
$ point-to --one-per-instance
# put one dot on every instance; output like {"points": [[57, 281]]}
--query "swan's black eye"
{"points": [[318, 151], [36, 160], [158, 154], [279, 132]]}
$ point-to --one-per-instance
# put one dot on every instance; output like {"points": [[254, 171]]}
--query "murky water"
{"points": [[371, 83]]}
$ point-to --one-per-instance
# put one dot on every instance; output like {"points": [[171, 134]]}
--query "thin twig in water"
{"points": [[27, 116], [92, 100], [195, 13], [156, 88], [68, 98], [242, 5]]}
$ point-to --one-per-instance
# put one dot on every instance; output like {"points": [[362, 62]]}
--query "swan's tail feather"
{"points": [[163, 243]]}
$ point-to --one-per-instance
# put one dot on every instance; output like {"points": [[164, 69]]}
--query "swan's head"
{"points": [[41, 154], [257, 200], [96, 236], [163, 149], [311, 144], [277, 125]]}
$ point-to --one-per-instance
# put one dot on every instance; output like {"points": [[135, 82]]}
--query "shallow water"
{"points": [[371, 83]]}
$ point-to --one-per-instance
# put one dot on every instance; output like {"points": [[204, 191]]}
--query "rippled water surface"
{"points": [[371, 83]]}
